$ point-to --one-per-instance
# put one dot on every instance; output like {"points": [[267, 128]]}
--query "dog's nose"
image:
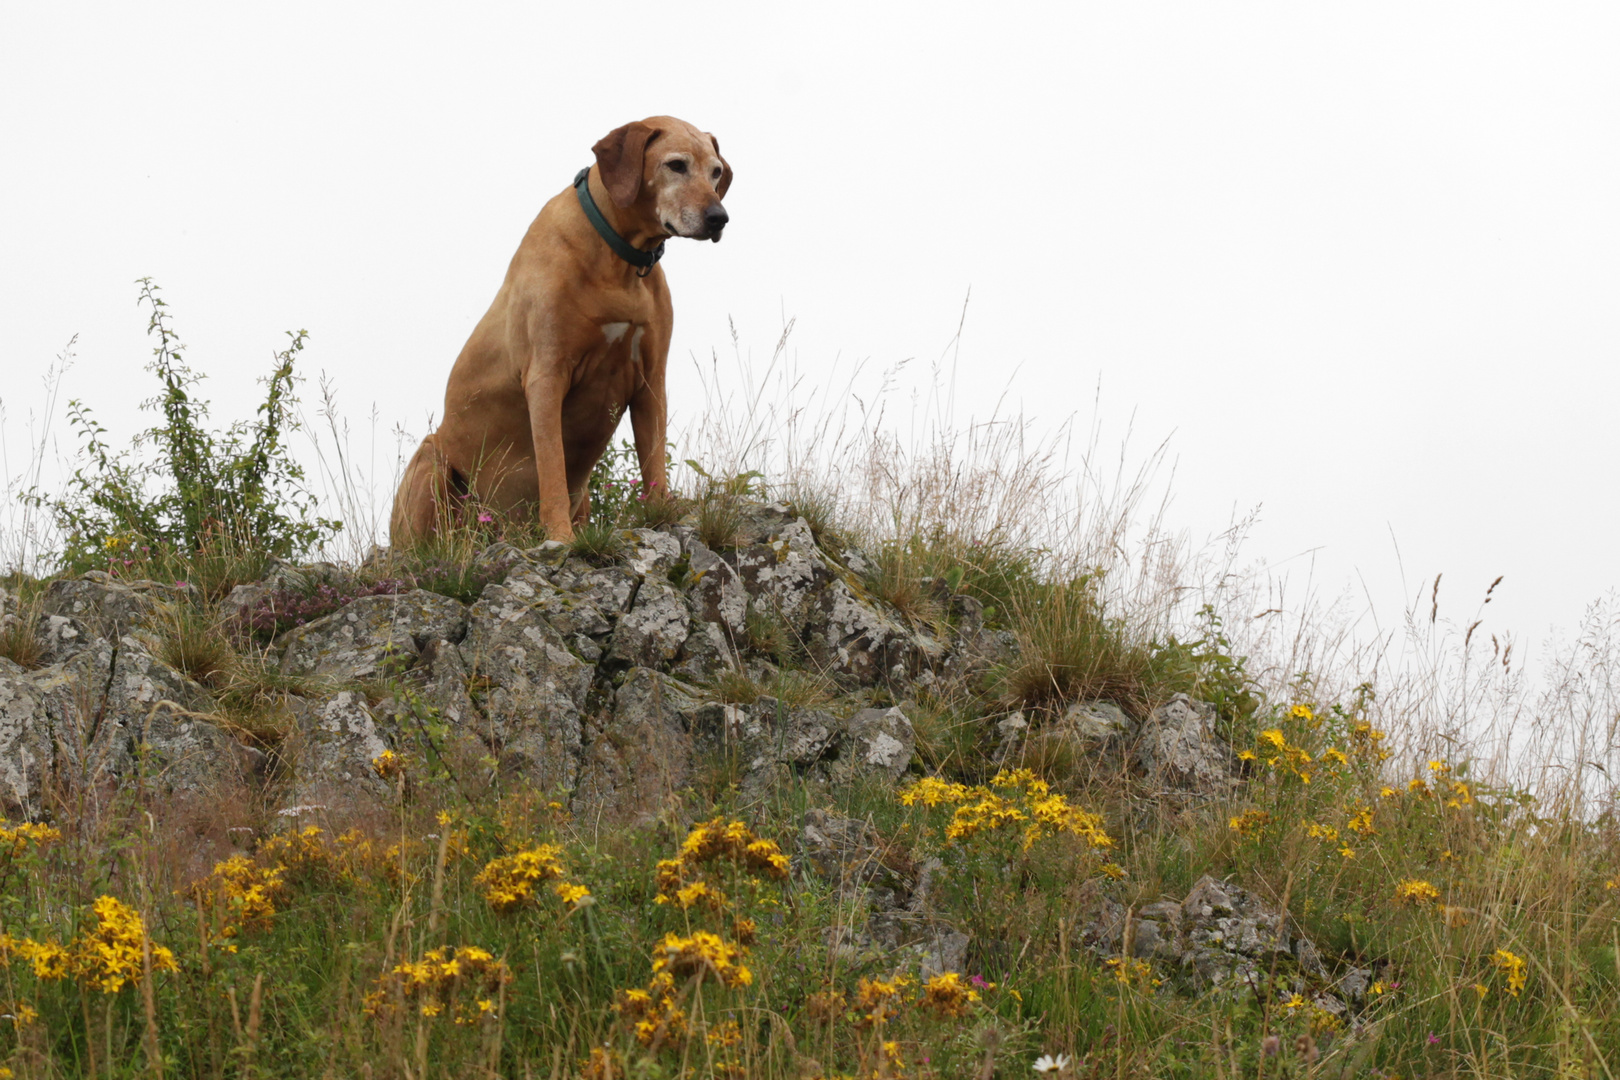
{"points": [[715, 218]]}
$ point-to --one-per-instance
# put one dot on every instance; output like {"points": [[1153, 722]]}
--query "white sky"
{"points": [[1359, 262]]}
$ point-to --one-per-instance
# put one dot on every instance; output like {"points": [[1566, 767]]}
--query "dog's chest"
{"points": [[614, 358]]}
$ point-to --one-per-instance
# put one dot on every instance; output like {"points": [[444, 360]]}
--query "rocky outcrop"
{"points": [[880, 880], [1220, 935], [107, 713], [610, 679]]}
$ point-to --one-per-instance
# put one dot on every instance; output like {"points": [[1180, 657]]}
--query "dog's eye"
{"points": [[716, 174], [675, 166]]}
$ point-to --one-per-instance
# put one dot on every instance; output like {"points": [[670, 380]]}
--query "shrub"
{"points": [[199, 490]]}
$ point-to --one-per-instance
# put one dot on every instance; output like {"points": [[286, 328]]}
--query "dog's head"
{"points": [[670, 170]]}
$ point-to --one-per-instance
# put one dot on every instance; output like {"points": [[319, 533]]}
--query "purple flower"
{"points": [[1434, 1040]]}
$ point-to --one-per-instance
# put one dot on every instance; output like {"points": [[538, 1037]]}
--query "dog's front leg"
{"points": [[649, 420], [545, 390]]}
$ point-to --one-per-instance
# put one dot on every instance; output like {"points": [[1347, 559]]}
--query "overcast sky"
{"points": [[1359, 263]]}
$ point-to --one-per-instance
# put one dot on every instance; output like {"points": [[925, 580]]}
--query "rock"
{"points": [[858, 860], [883, 742], [444, 678], [98, 600], [1220, 935], [1095, 722], [331, 751], [642, 755], [1010, 734], [1178, 747], [881, 877], [1353, 984], [717, 593], [652, 632], [609, 588], [570, 613], [114, 713], [650, 553], [62, 637], [372, 637], [529, 686], [26, 753], [498, 560], [283, 579]]}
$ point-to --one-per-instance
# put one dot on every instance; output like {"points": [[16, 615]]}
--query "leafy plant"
{"points": [[199, 490]]}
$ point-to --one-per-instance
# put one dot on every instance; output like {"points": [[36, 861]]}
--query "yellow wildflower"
{"points": [[508, 882], [1513, 967], [1416, 891], [931, 791], [947, 995], [572, 893], [1249, 822]]}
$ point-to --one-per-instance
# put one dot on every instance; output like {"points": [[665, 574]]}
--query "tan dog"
{"points": [[576, 335]]}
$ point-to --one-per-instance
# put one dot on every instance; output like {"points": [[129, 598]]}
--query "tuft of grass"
{"points": [[19, 639], [597, 543], [255, 697], [719, 519], [194, 642], [1071, 650]]}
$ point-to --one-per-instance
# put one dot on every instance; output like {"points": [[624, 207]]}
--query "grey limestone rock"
{"points": [[373, 636], [642, 753], [652, 632], [26, 753], [882, 879], [882, 741], [533, 687], [331, 750], [106, 605], [1179, 747]]}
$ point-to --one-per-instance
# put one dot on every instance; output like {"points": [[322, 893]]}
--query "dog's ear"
{"points": [[620, 157], [724, 185]]}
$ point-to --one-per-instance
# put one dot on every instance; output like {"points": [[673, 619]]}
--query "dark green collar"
{"points": [[643, 261]]}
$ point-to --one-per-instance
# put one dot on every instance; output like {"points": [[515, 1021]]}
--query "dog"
{"points": [[577, 335]]}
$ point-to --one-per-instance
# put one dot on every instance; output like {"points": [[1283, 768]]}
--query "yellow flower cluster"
{"points": [[707, 842], [703, 952], [112, 952], [509, 881], [931, 791], [879, 999], [1416, 891], [1129, 972], [984, 809], [248, 890], [388, 765], [1367, 741], [1282, 754], [1362, 821], [653, 1011], [461, 981], [104, 957], [948, 996], [16, 839], [1513, 967], [1249, 822]]}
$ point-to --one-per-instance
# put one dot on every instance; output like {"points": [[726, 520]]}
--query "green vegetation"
{"points": [[475, 927]]}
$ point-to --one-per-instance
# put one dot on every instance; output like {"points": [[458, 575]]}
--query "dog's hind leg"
{"points": [[421, 505]]}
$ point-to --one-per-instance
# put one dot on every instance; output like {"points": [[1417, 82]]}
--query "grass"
{"points": [[1469, 867]]}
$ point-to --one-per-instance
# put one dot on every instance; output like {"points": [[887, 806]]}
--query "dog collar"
{"points": [[643, 261]]}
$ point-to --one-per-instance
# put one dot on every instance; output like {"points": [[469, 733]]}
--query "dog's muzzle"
{"points": [[714, 221]]}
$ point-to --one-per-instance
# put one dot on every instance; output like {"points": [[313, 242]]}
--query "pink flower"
{"points": [[485, 518]]}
